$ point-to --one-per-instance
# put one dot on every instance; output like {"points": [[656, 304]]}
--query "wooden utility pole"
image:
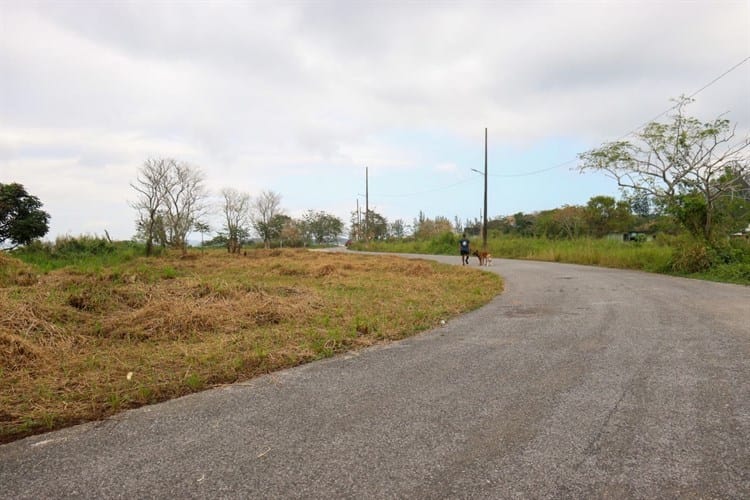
{"points": [[484, 223]]}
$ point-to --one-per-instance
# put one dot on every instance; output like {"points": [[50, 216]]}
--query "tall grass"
{"points": [[85, 253], [726, 261], [648, 256]]}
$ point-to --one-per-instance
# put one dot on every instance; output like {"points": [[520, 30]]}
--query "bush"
{"points": [[691, 256], [731, 273], [445, 244]]}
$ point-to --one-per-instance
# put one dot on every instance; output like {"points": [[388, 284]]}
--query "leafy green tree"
{"points": [[523, 223], [640, 204], [322, 226], [22, 219], [604, 215], [376, 226], [684, 165]]}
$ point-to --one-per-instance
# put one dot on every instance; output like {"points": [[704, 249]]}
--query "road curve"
{"points": [[576, 382]]}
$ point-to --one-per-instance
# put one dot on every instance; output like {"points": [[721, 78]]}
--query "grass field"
{"points": [[83, 338]]}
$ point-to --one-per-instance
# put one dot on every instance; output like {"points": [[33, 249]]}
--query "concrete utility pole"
{"points": [[359, 222], [484, 224], [367, 205]]}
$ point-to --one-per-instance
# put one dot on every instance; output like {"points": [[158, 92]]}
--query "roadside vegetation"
{"points": [[679, 256], [89, 328]]}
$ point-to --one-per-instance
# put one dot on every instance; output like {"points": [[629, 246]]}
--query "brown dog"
{"points": [[485, 258]]}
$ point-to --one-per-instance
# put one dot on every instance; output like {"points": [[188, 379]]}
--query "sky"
{"points": [[300, 97]]}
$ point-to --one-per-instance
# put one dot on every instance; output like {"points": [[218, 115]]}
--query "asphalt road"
{"points": [[576, 382]]}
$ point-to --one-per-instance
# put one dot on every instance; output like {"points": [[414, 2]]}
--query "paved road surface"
{"points": [[577, 382]]}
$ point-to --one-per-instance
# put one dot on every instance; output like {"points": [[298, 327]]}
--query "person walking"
{"points": [[463, 247]]}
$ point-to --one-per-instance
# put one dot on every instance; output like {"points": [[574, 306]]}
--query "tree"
{"points": [[377, 226], [523, 224], [322, 226], [604, 215], [184, 202], [397, 229], [429, 228], [171, 199], [21, 216], [203, 228], [264, 209], [571, 220], [640, 204], [236, 210], [277, 225], [293, 233], [681, 164], [567, 221], [150, 184]]}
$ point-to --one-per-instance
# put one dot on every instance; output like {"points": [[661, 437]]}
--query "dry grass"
{"points": [[78, 346]]}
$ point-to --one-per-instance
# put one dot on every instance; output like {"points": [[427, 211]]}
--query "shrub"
{"points": [[84, 250], [446, 243], [692, 256]]}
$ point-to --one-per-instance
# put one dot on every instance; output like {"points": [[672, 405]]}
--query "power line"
{"points": [[704, 87], [534, 172], [689, 97], [573, 160], [720, 77]]}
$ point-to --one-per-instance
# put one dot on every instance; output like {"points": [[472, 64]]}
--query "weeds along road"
{"points": [[576, 382]]}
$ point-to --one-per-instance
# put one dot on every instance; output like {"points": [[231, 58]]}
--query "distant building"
{"points": [[631, 236]]}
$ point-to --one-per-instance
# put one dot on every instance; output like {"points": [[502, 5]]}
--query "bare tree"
{"points": [[184, 202], [171, 199], [149, 185], [236, 209], [264, 210]]}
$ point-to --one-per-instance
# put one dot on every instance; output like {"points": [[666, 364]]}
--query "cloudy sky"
{"points": [[299, 97]]}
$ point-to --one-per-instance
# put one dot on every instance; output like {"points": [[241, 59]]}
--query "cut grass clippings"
{"points": [[82, 344]]}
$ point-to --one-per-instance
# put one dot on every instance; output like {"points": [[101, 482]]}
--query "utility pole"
{"points": [[484, 225], [367, 205], [359, 222]]}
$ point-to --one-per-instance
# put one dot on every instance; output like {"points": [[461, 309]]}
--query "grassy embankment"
{"points": [[83, 337], [674, 256]]}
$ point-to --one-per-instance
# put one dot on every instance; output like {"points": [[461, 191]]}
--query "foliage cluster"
{"points": [[21, 216]]}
